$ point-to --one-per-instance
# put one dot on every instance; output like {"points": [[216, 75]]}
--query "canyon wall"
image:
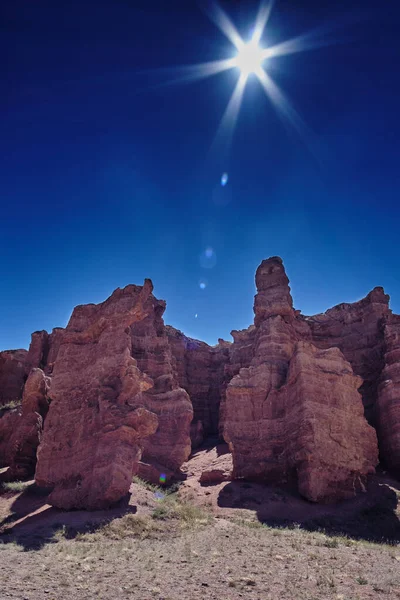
{"points": [[294, 396]]}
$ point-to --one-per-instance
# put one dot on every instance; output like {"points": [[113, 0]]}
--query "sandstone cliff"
{"points": [[13, 367], [199, 368], [94, 431], [169, 447], [294, 413], [130, 395]]}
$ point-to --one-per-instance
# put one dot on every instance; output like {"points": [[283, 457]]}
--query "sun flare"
{"points": [[250, 58]]}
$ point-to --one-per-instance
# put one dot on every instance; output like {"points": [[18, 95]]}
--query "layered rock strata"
{"points": [[169, 447], [43, 349], [199, 369], [94, 431], [288, 414], [130, 394], [358, 330]]}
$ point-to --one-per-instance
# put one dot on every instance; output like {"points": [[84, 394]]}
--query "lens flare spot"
{"points": [[163, 478], [196, 315], [208, 258], [202, 284], [224, 179]]}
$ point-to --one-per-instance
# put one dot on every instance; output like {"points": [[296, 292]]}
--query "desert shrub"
{"points": [[16, 486], [10, 405]]}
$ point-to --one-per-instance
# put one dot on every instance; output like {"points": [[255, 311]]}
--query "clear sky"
{"points": [[108, 177]]}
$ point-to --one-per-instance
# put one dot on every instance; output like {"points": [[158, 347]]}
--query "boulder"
{"points": [[218, 471]]}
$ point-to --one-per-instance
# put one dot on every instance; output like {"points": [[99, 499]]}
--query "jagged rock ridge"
{"points": [[129, 394]]}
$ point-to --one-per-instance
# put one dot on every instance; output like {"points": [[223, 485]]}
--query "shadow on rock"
{"points": [[33, 524], [371, 516]]}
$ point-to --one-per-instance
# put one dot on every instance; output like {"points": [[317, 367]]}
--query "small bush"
{"points": [[331, 543], [149, 486], [129, 526], [16, 486], [171, 507], [10, 405]]}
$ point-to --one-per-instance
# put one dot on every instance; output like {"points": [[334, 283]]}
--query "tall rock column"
{"points": [[94, 431], [287, 415]]}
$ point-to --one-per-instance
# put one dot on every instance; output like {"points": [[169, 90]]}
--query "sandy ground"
{"points": [[224, 541]]}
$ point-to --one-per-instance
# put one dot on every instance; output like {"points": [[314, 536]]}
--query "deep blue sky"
{"points": [[107, 176]]}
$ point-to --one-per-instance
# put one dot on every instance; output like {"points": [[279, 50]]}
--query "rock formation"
{"points": [[295, 412], [130, 395], [12, 375], [19, 452], [199, 369], [94, 431], [169, 447], [43, 349], [358, 330], [388, 402]]}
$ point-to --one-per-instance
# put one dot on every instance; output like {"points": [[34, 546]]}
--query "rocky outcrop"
{"points": [[94, 431], [9, 418], [388, 403], [169, 447], [43, 349], [131, 395], [358, 330], [20, 450], [13, 367], [295, 412], [199, 369]]}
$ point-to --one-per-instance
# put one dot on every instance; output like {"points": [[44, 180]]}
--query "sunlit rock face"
{"points": [[358, 330], [24, 428], [388, 403], [97, 421], [294, 413], [13, 367], [273, 292], [169, 447], [199, 368]]}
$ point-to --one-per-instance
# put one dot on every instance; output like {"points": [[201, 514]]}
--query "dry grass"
{"points": [[16, 486], [10, 405], [181, 551]]}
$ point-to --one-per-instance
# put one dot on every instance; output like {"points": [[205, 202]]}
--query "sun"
{"points": [[250, 58]]}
